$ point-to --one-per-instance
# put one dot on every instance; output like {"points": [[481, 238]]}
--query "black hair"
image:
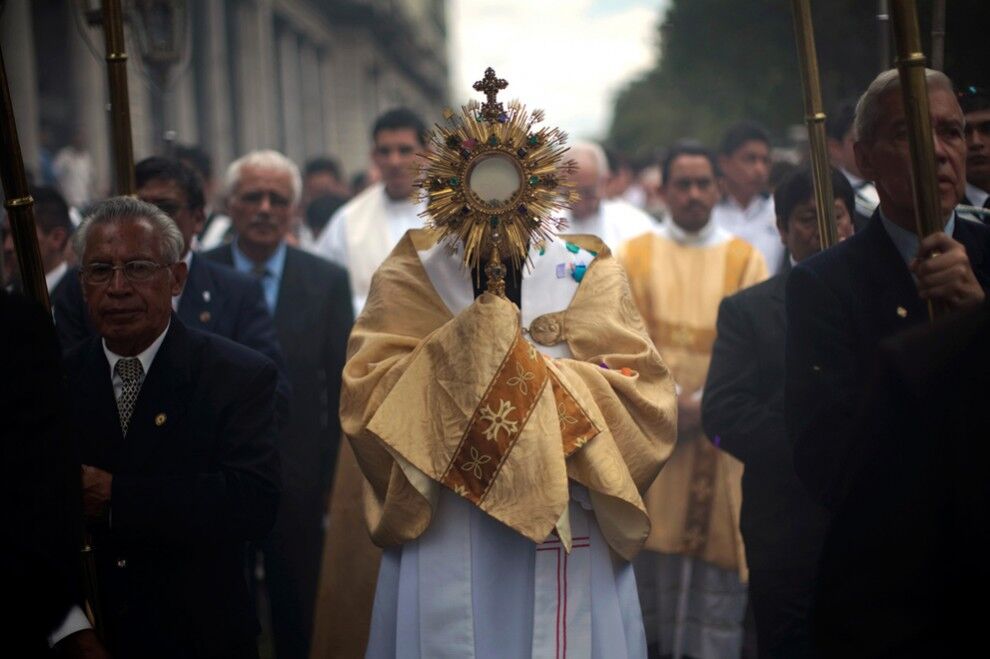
{"points": [[686, 148], [973, 98], [322, 164], [840, 120], [740, 133], [799, 187], [400, 119], [321, 209], [50, 210], [169, 169], [196, 158]]}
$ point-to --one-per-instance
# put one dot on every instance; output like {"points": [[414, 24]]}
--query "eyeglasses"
{"points": [[256, 196], [134, 271]]}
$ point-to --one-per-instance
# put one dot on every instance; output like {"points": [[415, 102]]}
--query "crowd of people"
{"points": [[686, 430]]}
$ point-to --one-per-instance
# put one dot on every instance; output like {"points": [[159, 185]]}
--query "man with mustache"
{"points": [[678, 276], [176, 433], [842, 302], [310, 301]]}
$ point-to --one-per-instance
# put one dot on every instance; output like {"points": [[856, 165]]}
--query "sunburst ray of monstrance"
{"points": [[493, 181]]}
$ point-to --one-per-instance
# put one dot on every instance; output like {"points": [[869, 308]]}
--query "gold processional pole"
{"points": [[18, 202], [938, 35], [815, 119], [914, 90], [120, 113]]}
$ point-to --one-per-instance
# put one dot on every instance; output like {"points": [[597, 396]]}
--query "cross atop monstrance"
{"points": [[491, 109]]}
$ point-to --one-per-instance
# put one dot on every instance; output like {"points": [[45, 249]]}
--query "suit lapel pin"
{"points": [[204, 317], [160, 419], [206, 296], [902, 312]]}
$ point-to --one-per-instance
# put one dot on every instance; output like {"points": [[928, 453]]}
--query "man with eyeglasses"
{"points": [[214, 298], [843, 305], [310, 300], [612, 220], [690, 572], [176, 433], [362, 233]]}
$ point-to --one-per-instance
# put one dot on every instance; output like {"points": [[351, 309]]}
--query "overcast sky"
{"points": [[568, 57]]}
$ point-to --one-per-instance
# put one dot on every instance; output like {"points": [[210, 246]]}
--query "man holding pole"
{"points": [[842, 302]]}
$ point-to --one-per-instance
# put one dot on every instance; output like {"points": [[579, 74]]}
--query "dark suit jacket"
{"points": [[840, 304], [215, 299], [41, 534], [195, 478], [313, 320], [743, 411], [906, 552]]}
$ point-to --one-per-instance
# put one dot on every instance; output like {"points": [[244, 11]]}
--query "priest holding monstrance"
{"points": [[507, 408]]}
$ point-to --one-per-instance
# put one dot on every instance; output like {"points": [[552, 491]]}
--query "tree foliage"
{"points": [[724, 60]]}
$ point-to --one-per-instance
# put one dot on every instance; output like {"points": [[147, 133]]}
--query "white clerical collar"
{"points": [[707, 236], [54, 276], [976, 196], [146, 356]]}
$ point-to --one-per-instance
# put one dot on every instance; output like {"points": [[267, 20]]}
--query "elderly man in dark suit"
{"points": [[842, 302], [214, 299], [743, 411], [177, 433], [310, 301]]}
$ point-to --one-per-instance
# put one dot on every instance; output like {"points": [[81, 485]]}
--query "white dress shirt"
{"points": [[756, 224]]}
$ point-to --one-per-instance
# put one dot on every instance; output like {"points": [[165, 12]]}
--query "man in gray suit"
{"points": [[310, 301]]}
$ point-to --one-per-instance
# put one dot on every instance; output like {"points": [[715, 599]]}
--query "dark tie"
{"points": [[259, 270], [131, 373]]}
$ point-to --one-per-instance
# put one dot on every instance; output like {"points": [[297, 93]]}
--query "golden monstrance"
{"points": [[494, 180]]}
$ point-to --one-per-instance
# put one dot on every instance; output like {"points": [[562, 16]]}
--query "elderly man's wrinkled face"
{"points": [[261, 207], [887, 161], [132, 305]]}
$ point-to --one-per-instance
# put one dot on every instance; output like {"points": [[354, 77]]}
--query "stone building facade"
{"points": [[306, 77]]}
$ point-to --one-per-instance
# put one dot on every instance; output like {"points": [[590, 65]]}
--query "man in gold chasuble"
{"points": [[692, 569], [506, 443]]}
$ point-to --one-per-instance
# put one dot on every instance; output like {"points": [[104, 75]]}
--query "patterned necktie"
{"points": [[131, 373]]}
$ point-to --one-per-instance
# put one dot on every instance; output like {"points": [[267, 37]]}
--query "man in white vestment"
{"points": [[746, 208], [361, 234], [506, 443], [613, 220]]}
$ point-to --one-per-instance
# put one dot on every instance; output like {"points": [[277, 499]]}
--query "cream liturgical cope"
{"points": [[504, 476], [678, 280]]}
